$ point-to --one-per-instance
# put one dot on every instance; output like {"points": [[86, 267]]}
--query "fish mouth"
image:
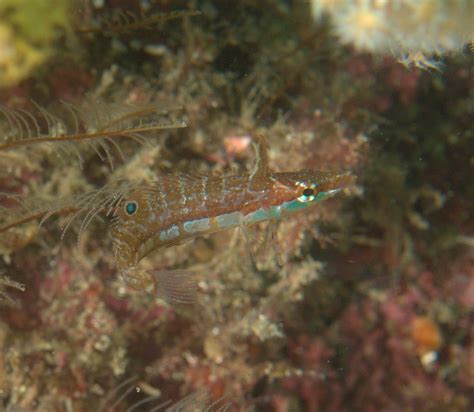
{"points": [[342, 180], [334, 184], [331, 193]]}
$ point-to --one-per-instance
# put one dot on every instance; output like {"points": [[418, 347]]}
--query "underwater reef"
{"points": [[363, 302]]}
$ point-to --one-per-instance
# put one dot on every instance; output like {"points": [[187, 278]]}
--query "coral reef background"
{"points": [[367, 301]]}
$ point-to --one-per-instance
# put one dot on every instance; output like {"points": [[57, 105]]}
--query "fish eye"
{"points": [[308, 195], [308, 192], [131, 208]]}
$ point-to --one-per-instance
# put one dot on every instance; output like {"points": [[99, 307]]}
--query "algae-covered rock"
{"points": [[28, 31]]}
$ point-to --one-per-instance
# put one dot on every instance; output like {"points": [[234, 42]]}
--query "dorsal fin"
{"points": [[261, 170]]}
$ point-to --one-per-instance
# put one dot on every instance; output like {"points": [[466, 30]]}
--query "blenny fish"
{"points": [[177, 208]]}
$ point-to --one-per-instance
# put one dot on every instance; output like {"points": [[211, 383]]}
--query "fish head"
{"points": [[305, 187]]}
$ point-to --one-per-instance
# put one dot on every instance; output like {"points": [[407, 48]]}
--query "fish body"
{"points": [[177, 208]]}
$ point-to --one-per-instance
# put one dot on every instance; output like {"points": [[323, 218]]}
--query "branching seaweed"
{"points": [[196, 401], [125, 21], [6, 282], [97, 127], [83, 207]]}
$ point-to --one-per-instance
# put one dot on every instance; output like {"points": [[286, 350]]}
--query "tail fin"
{"points": [[174, 286]]}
